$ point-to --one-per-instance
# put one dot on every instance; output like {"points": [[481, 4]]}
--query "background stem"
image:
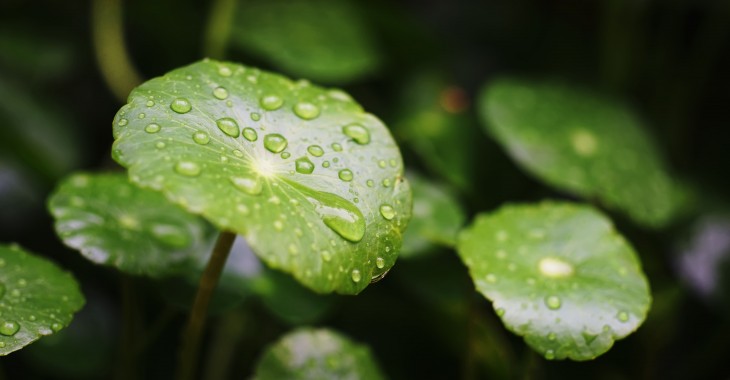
{"points": [[187, 365], [111, 53], [218, 28]]}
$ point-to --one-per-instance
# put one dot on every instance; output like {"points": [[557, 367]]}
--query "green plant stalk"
{"points": [[127, 359], [218, 28], [187, 365], [111, 54]]}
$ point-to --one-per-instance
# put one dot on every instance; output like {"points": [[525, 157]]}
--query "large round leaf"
{"points": [[319, 39], [36, 298], [313, 182], [436, 220], [559, 275], [317, 354], [112, 222], [582, 143]]}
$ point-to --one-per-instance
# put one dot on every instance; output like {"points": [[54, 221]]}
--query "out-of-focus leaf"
{"points": [[582, 143], [436, 220], [290, 301], [112, 222], [559, 275], [313, 182], [317, 354], [323, 40], [36, 298]]}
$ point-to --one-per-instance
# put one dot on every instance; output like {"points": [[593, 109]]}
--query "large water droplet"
{"points": [[275, 142], [553, 302], [304, 165], [228, 126], [356, 276], [345, 175], [152, 128], [171, 236], [358, 133], [250, 134], [249, 185], [380, 262], [271, 102], [387, 212], [306, 111], [188, 168], [315, 150], [9, 328], [220, 93], [201, 138], [181, 105]]}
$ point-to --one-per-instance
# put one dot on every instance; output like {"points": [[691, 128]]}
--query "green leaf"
{"points": [[579, 142], [436, 220], [36, 298], [112, 222], [317, 354], [302, 172], [559, 275], [323, 40]]}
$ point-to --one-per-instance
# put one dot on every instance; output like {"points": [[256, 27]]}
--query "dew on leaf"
{"points": [[380, 262], [171, 236], [9, 328], [225, 71], [255, 116], [304, 165], [228, 126], [249, 185], [188, 168], [315, 150], [306, 110], [336, 147], [275, 142], [271, 102], [201, 138], [553, 302], [181, 105], [623, 316], [357, 132], [555, 267], [345, 175], [387, 211], [250, 134], [355, 275], [220, 93]]}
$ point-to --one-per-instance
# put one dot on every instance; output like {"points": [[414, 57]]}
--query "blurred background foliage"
{"points": [[418, 65]]}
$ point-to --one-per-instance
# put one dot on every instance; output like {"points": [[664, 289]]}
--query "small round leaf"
{"points": [[36, 298], [112, 222], [581, 143], [323, 40], [317, 354], [313, 182], [559, 275]]}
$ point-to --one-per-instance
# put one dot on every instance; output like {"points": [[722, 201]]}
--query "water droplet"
{"points": [[56, 327], [387, 211], [250, 134], [159, 145], [181, 105], [623, 316], [555, 267], [225, 71], [380, 262], [491, 278], [275, 142], [9, 328], [171, 236], [255, 116], [325, 164], [551, 336], [338, 214], [237, 153], [293, 250], [549, 354], [315, 150], [393, 163], [249, 185], [150, 103], [326, 255], [271, 102], [141, 116], [500, 312], [553, 302], [356, 276], [336, 147], [228, 126], [279, 225], [285, 155], [345, 175], [122, 122], [304, 165], [201, 137], [220, 93], [357, 132], [306, 111], [188, 168], [370, 183], [584, 142], [386, 182]]}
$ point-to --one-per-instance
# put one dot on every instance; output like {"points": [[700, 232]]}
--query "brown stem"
{"points": [[188, 359]]}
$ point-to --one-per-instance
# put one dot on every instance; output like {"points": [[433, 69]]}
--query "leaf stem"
{"points": [[111, 54], [218, 28], [187, 365]]}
